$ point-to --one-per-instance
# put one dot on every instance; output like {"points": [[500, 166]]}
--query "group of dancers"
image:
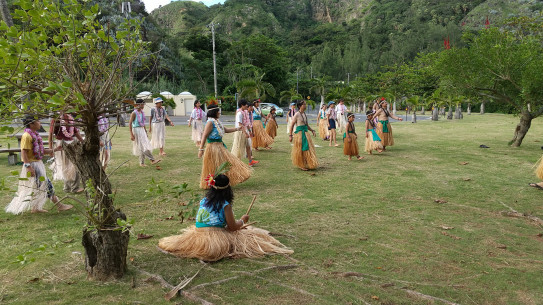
{"points": [[216, 234]]}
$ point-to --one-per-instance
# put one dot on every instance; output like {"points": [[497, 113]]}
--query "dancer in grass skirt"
{"points": [[217, 234], [373, 142], [216, 153], [322, 122], [271, 123], [261, 138], [384, 129], [350, 143], [303, 151]]}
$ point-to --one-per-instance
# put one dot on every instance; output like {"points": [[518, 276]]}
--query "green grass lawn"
{"points": [[363, 232]]}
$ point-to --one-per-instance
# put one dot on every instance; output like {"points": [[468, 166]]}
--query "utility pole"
{"points": [[212, 26], [6, 15], [348, 78], [297, 70]]}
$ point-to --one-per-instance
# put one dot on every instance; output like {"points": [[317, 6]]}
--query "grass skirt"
{"points": [[158, 137], [31, 193], [539, 169], [141, 143], [239, 145], [323, 129], [213, 244], [261, 138], [371, 144], [386, 137], [216, 154], [303, 159], [271, 129], [351, 149], [63, 169], [197, 130]]}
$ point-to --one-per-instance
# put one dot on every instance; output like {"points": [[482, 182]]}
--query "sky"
{"points": [[150, 5]]}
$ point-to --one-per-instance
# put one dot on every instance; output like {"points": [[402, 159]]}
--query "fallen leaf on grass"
{"points": [[387, 285], [464, 163], [451, 236], [328, 263], [363, 238], [143, 236], [440, 201], [34, 280], [68, 241], [312, 174], [158, 168], [502, 247], [131, 259], [375, 297], [467, 179], [540, 235], [446, 228], [169, 218]]}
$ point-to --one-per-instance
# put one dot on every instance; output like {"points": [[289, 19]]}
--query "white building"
{"points": [[184, 102]]}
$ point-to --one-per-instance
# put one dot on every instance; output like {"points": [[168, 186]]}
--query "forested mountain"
{"points": [[338, 38]]}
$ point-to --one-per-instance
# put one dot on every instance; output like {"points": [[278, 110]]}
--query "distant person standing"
{"points": [[322, 122], [260, 137], [241, 146], [64, 131], [341, 111], [105, 141], [331, 117], [138, 134], [290, 115], [157, 126], [196, 121], [271, 123]]}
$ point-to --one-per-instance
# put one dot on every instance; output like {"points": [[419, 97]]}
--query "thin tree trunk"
{"points": [[482, 107], [435, 114], [322, 101], [105, 246], [414, 120], [6, 15], [469, 108], [364, 108], [522, 128], [449, 113], [423, 110], [458, 112], [394, 108]]}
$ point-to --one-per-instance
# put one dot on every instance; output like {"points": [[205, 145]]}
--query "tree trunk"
{"points": [[449, 113], [322, 102], [435, 114], [458, 112], [364, 108], [469, 108], [423, 111], [522, 128], [394, 108], [6, 15], [105, 245], [414, 120], [482, 107]]}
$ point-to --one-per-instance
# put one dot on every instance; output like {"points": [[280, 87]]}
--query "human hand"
{"points": [[314, 134], [31, 171], [200, 154], [290, 138], [245, 218], [349, 140], [400, 119], [58, 148], [102, 144], [132, 137]]}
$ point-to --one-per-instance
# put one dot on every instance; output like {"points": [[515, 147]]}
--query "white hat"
{"points": [[158, 100]]}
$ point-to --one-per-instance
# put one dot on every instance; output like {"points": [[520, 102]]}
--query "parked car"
{"points": [[265, 107]]}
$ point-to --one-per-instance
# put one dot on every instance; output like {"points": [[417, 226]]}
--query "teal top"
{"points": [[305, 143], [257, 115], [140, 119], [208, 218], [214, 136]]}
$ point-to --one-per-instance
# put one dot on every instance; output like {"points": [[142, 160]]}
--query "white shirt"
{"points": [[340, 109], [239, 119]]}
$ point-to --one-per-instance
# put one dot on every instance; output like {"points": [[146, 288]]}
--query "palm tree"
{"points": [[458, 111], [414, 101], [255, 88], [449, 101], [289, 95], [319, 87]]}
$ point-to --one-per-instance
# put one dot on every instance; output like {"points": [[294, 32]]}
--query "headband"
{"points": [[211, 183]]}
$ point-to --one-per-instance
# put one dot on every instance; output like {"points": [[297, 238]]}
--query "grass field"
{"points": [[363, 232]]}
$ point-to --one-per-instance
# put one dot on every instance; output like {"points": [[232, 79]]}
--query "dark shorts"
{"points": [[332, 124]]}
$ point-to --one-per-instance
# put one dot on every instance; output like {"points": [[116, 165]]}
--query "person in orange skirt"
{"points": [[261, 138], [271, 123], [373, 142], [303, 151], [350, 143], [216, 153]]}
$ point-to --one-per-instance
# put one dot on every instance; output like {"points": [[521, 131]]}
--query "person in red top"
{"points": [[64, 131]]}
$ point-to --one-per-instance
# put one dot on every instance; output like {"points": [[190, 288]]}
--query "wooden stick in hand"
{"points": [[252, 202]]}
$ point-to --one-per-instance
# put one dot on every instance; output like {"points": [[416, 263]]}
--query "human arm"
{"points": [[231, 223], [207, 130], [132, 117], [396, 117], [229, 130], [167, 117], [367, 127], [26, 160], [291, 127], [151, 120], [51, 130]]}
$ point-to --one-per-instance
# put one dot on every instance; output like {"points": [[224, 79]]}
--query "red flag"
{"points": [[487, 22]]}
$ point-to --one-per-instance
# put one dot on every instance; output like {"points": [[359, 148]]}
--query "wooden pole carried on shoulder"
{"points": [[252, 202]]}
